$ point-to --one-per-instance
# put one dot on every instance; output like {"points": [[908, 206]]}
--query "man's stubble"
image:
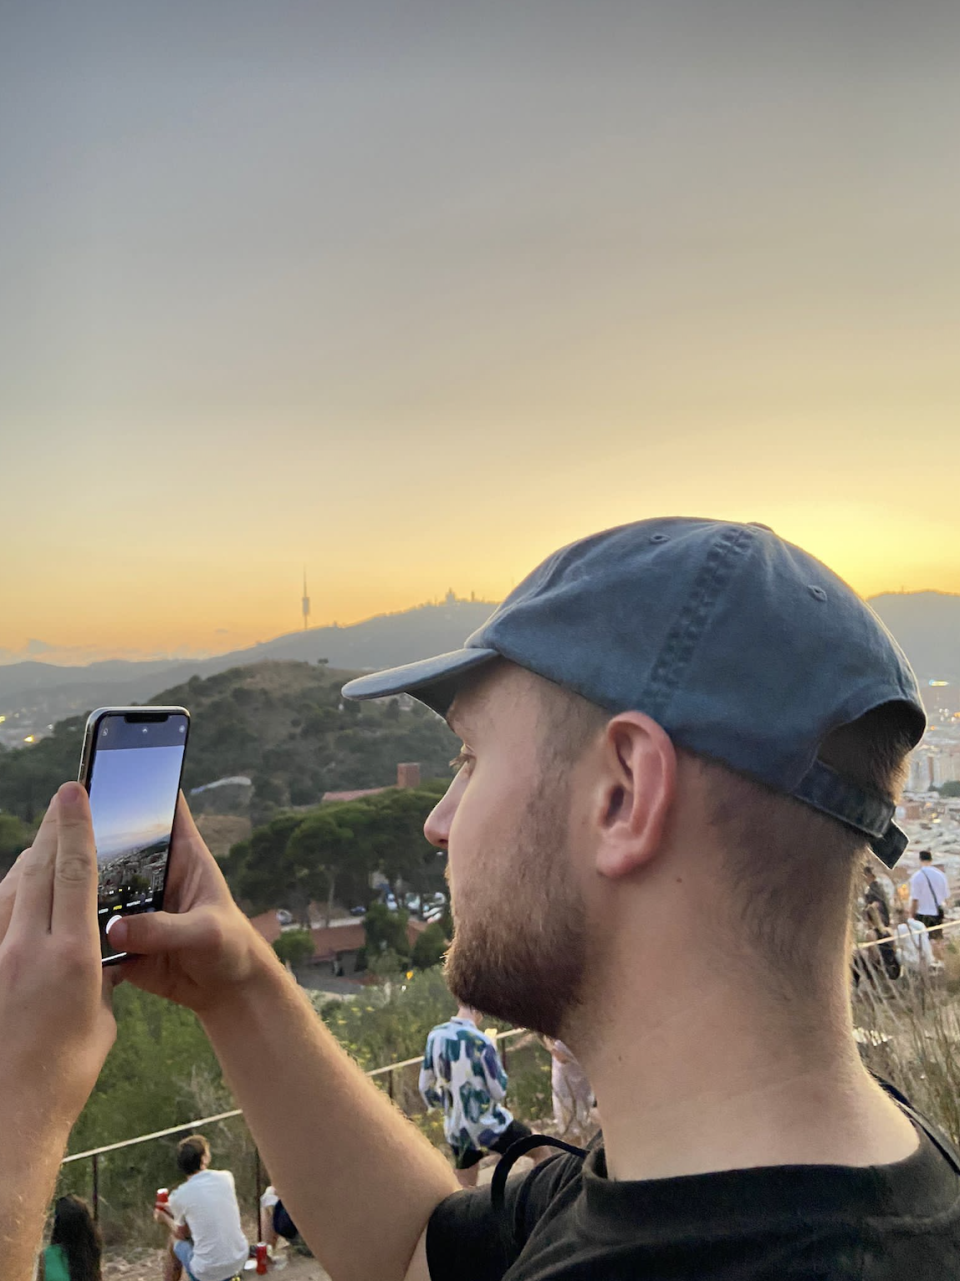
{"points": [[519, 946]]}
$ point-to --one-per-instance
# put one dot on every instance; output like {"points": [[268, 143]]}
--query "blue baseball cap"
{"points": [[744, 648]]}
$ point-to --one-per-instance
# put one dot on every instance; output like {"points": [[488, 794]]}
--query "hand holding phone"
{"points": [[201, 948]]}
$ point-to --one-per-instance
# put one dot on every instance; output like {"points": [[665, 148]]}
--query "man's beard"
{"points": [[519, 948]]}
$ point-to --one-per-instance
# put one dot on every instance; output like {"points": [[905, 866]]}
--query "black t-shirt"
{"points": [[569, 1222]]}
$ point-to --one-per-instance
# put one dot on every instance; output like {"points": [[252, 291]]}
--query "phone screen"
{"points": [[136, 763]]}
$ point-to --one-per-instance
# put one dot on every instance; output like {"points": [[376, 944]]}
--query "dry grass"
{"points": [[912, 1039]]}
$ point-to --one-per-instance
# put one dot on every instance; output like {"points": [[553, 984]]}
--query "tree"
{"points": [[15, 836], [385, 931], [430, 946], [950, 789], [317, 852], [294, 947]]}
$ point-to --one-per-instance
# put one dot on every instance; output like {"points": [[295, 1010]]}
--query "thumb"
{"points": [[150, 933]]}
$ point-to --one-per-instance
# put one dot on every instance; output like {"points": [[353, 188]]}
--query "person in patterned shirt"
{"points": [[463, 1075]]}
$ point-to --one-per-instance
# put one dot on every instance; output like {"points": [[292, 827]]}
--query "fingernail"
{"points": [[115, 930], [71, 794]]}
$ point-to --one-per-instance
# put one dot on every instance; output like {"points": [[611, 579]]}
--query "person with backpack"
{"points": [[75, 1249], [929, 895]]}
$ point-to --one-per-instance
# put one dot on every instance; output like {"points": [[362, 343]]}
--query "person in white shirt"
{"points": [[206, 1238], [929, 894], [912, 943]]}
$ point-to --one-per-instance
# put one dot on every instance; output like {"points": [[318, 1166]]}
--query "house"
{"points": [[408, 775], [335, 947]]}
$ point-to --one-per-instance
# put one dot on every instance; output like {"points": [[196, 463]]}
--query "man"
{"points": [[671, 731], [913, 945], [929, 895], [203, 1217], [463, 1075], [572, 1096], [55, 1020], [876, 913]]}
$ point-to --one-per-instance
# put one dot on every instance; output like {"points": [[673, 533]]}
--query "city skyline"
{"points": [[414, 304]]}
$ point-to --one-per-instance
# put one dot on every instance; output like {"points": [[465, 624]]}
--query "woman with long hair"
{"points": [[74, 1250]]}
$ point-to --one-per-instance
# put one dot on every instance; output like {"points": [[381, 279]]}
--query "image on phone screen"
{"points": [[134, 774]]}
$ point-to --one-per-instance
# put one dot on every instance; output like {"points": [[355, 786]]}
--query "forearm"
{"points": [[343, 1155], [30, 1158]]}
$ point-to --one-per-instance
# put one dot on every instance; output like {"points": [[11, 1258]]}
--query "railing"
{"points": [[93, 1155]]}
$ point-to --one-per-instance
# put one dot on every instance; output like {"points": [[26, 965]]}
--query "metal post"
{"points": [[95, 1188], [257, 1178], [390, 1084], [503, 1054]]}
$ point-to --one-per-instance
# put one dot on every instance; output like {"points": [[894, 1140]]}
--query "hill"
{"points": [[927, 625], [34, 695], [283, 724]]}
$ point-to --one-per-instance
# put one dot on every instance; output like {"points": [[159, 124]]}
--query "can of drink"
{"points": [[163, 1198], [261, 1257]]}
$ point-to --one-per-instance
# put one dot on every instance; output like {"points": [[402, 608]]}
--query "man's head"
{"points": [[569, 829], [193, 1155], [679, 720], [926, 856]]}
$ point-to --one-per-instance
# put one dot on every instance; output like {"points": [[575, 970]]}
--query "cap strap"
{"points": [[826, 791]]}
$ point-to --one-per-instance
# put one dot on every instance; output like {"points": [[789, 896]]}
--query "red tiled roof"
{"points": [[329, 940], [352, 796]]}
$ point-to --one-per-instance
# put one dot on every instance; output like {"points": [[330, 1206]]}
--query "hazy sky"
{"points": [[133, 803], [415, 293]]}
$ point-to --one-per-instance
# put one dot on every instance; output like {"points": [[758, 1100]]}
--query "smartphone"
{"points": [[131, 766]]}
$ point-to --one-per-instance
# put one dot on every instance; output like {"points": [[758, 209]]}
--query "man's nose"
{"points": [[437, 827]]}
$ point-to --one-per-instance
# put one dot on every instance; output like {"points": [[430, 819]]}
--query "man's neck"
{"points": [[698, 1076]]}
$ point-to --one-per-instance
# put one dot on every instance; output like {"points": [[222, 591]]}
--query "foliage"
{"points": [[429, 947], [385, 931], [162, 1072], [328, 854], [389, 1023], [950, 788], [294, 947], [15, 836], [282, 724]]}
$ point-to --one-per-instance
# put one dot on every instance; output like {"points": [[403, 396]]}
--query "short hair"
{"points": [[926, 856], [191, 1153], [790, 930]]}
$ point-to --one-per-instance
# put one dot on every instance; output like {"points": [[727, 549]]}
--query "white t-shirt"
{"points": [[207, 1204], [929, 887], [913, 945]]}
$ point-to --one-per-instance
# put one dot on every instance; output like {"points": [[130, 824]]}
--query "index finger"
{"points": [[75, 876]]}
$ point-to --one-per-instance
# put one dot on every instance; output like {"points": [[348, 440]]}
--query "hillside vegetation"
{"points": [[282, 724]]}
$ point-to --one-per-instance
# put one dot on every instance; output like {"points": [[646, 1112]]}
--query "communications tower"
{"points": [[305, 602]]}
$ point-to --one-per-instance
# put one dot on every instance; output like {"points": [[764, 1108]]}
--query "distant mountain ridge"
{"points": [[927, 625], [51, 693]]}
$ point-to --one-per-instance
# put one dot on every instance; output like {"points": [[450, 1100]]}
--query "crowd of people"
{"points": [[666, 728], [902, 944]]}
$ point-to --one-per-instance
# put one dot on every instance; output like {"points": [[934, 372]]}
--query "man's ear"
{"points": [[635, 791]]}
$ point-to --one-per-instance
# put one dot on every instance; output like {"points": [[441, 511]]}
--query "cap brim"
{"points": [[432, 680]]}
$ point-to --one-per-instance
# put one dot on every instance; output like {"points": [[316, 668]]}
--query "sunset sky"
{"points": [[412, 294]]}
